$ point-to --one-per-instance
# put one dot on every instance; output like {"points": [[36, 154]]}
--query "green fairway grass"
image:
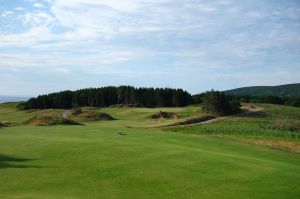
{"points": [[92, 161]]}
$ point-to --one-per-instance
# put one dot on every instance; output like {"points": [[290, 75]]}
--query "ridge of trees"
{"points": [[138, 97], [107, 96]]}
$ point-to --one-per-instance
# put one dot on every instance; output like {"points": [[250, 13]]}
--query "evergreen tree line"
{"points": [[146, 97], [107, 96], [288, 101]]}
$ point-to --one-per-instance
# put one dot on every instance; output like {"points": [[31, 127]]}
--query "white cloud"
{"points": [[38, 5], [7, 13], [277, 76], [119, 5], [27, 39], [96, 60], [19, 8], [38, 18]]}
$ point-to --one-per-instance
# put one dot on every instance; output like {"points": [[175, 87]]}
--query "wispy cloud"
{"points": [[192, 39], [7, 13]]}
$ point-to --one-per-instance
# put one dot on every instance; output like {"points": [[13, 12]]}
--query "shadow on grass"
{"points": [[14, 162]]}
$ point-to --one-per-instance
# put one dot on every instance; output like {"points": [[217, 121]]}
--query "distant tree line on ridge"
{"points": [[288, 101], [107, 96], [147, 97]]}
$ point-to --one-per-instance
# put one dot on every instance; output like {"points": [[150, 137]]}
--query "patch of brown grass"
{"points": [[282, 145], [286, 124]]}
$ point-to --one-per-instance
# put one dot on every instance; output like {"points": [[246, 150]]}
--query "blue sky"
{"points": [[197, 45]]}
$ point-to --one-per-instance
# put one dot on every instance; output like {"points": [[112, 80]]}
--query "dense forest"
{"points": [[107, 96]]}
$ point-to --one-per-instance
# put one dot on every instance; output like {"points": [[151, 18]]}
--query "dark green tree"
{"points": [[215, 102]]}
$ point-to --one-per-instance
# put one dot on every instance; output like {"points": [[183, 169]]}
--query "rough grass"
{"points": [[268, 122], [93, 162], [286, 124], [274, 127]]}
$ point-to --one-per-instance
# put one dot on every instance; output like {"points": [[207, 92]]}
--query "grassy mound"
{"points": [[165, 115], [196, 120], [96, 116], [49, 121]]}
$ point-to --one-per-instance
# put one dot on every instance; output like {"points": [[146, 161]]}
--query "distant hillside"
{"points": [[12, 99], [288, 90]]}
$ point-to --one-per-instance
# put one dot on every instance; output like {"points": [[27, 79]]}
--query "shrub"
{"points": [[76, 111]]}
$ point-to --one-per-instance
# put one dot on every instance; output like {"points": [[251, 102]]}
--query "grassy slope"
{"points": [[91, 161], [9, 113], [141, 117]]}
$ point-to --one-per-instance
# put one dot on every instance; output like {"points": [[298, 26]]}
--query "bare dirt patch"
{"points": [[165, 115], [5, 124]]}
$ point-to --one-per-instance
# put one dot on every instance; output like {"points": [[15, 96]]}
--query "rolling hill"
{"points": [[288, 90]]}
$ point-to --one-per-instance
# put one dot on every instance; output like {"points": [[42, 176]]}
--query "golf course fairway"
{"points": [[92, 161]]}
